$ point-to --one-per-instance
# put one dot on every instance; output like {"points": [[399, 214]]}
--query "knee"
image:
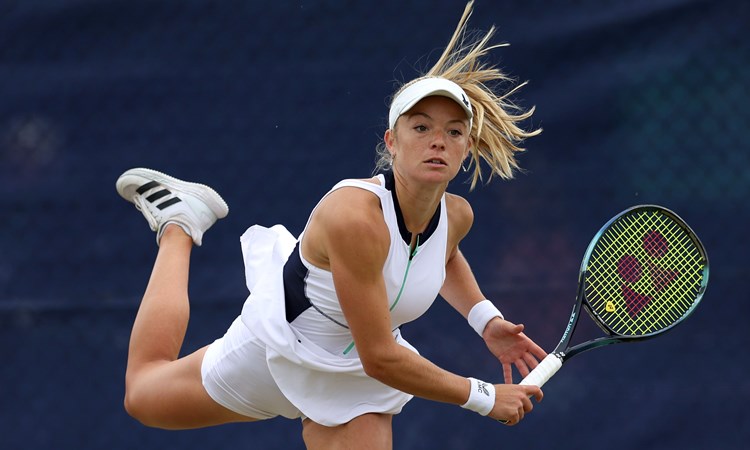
{"points": [[138, 405], [134, 406]]}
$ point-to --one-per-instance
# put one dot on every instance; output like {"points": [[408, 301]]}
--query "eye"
{"points": [[455, 133], [420, 128]]}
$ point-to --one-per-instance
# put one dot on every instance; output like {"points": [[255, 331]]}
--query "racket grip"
{"points": [[544, 371]]}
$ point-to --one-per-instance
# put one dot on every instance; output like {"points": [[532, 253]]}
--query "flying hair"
{"points": [[496, 129]]}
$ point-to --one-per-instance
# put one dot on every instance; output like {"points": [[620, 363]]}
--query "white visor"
{"points": [[426, 87]]}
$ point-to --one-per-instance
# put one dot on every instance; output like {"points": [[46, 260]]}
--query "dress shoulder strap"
{"points": [[377, 189], [362, 184]]}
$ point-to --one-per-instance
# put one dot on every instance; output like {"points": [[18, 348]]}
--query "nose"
{"points": [[438, 140]]}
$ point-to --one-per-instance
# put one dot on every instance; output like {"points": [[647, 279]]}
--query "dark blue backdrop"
{"points": [[641, 101]]}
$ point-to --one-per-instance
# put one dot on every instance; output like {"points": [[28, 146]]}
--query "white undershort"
{"points": [[235, 374]]}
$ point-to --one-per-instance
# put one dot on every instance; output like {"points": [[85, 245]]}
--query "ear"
{"points": [[389, 138], [469, 146]]}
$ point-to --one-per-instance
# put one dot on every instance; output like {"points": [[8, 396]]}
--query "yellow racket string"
{"points": [[644, 274]]}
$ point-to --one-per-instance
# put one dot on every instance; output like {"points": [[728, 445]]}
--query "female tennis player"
{"points": [[318, 338]]}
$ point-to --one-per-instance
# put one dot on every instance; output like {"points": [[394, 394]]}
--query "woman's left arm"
{"points": [[504, 339], [460, 289]]}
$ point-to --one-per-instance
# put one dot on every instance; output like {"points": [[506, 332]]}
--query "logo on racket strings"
{"points": [[631, 271]]}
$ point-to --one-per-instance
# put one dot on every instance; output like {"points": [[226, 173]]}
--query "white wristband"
{"points": [[481, 397], [482, 313]]}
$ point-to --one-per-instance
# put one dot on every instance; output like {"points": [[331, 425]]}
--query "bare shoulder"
{"points": [[348, 220], [359, 202], [460, 215], [350, 206]]}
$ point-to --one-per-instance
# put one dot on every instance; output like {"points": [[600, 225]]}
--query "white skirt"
{"points": [[296, 377]]}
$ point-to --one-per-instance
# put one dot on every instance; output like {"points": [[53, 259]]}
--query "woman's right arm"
{"points": [[347, 233]]}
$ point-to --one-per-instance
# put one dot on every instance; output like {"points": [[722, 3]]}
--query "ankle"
{"points": [[174, 232]]}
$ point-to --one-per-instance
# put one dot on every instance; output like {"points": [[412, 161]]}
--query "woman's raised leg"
{"points": [[161, 389]]}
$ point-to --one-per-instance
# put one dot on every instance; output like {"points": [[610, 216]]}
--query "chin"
{"points": [[439, 176]]}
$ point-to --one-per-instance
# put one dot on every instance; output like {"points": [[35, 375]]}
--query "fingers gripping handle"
{"points": [[544, 371], [541, 373]]}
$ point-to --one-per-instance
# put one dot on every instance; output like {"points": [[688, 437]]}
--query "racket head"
{"points": [[644, 272]]}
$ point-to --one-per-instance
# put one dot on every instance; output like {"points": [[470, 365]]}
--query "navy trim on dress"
{"points": [[390, 184], [296, 300], [295, 276]]}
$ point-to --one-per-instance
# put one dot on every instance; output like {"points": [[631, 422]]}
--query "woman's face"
{"points": [[431, 140]]}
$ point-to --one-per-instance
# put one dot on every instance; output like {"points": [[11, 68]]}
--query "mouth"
{"points": [[436, 161]]}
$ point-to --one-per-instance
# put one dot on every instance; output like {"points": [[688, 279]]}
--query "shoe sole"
{"points": [[128, 183]]}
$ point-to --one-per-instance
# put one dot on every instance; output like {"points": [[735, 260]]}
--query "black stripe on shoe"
{"points": [[169, 202], [147, 186], [157, 195]]}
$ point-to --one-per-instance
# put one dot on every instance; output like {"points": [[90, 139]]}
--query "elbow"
{"points": [[373, 369], [379, 364]]}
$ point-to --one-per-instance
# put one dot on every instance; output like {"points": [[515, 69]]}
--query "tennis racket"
{"points": [[643, 273]]}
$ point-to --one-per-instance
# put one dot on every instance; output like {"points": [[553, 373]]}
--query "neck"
{"points": [[418, 203]]}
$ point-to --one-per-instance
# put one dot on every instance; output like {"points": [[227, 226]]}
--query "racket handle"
{"points": [[544, 371]]}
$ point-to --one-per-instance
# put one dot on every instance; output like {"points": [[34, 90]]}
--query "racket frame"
{"points": [[562, 351]]}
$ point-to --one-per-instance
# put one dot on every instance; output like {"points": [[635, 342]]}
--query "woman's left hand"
{"points": [[511, 346]]}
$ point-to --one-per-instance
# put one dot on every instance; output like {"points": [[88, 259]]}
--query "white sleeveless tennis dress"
{"points": [[290, 352]]}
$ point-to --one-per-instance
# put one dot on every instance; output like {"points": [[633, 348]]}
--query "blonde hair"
{"points": [[496, 131]]}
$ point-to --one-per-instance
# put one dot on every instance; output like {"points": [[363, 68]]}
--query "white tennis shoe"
{"points": [[163, 199]]}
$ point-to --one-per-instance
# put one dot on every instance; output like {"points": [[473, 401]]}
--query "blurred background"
{"points": [[271, 103]]}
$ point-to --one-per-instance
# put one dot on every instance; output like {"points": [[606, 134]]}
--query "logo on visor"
{"points": [[466, 102]]}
